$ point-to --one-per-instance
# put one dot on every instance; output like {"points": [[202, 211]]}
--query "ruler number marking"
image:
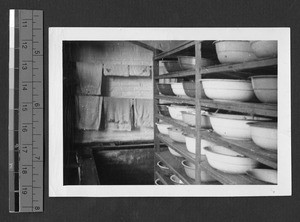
{"points": [[28, 50], [24, 66], [24, 107], [25, 23], [24, 45]]}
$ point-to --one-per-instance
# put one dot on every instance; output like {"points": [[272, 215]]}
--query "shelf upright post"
{"points": [[198, 110], [155, 108], [155, 101]]}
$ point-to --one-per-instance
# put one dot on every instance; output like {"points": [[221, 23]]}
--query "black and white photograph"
{"points": [[149, 111], [141, 111]]}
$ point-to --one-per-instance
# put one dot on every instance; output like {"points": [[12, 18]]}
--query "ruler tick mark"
{"points": [[28, 32], [26, 81]]}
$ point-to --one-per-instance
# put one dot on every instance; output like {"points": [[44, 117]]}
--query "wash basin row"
{"points": [[228, 51], [234, 126], [262, 130], [261, 87]]}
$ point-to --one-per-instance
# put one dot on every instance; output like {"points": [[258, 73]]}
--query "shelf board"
{"points": [[247, 148], [177, 123], [229, 179], [250, 108], [145, 46], [263, 109], [176, 99], [239, 66], [185, 45], [164, 179], [176, 74], [178, 147], [167, 181], [174, 165]]}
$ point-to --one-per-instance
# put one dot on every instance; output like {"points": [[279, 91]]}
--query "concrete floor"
{"points": [[125, 167], [90, 136]]}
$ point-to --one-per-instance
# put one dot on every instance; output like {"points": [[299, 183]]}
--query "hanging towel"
{"points": [[89, 112], [116, 70], [140, 70], [90, 78], [118, 111], [143, 113], [162, 69]]}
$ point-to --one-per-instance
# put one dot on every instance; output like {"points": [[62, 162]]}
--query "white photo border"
{"points": [[56, 38]]}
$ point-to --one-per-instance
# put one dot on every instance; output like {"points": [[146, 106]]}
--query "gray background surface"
{"points": [[163, 13]]}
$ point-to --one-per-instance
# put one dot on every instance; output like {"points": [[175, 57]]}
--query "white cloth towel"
{"points": [[89, 112], [118, 113], [116, 70], [90, 78], [143, 113], [140, 70]]}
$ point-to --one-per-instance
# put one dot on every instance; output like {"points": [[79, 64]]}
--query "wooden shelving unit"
{"points": [[178, 147], [176, 74], [240, 66], [176, 99], [250, 108], [165, 180], [174, 164], [247, 148], [186, 45], [179, 124], [229, 179]]}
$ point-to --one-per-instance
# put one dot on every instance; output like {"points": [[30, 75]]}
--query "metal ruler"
{"points": [[26, 111]]}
